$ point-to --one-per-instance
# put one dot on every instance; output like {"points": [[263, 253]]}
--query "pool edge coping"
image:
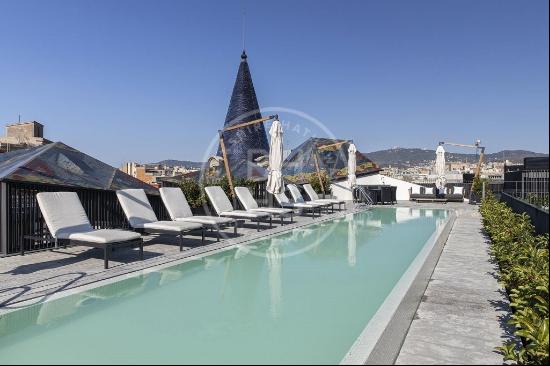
{"points": [[383, 336]]}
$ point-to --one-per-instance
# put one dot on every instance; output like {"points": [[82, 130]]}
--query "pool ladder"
{"points": [[366, 201]]}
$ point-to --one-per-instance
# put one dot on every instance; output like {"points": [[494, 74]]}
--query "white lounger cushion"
{"points": [[283, 200], [103, 236], [223, 206], [207, 220], [329, 200], [219, 199], [295, 193], [458, 190], [179, 209], [428, 190], [415, 190], [136, 206], [63, 213], [66, 219], [140, 214], [273, 210], [170, 226], [311, 192], [297, 197], [246, 198], [315, 197], [175, 203], [245, 214], [250, 204]]}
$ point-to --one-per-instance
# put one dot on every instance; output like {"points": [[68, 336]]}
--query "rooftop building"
{"points": [[22, 135], [60, 165], [330, 155], [152, 173]]}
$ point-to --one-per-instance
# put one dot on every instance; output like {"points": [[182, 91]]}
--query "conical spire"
{"points": [[245, 144]]}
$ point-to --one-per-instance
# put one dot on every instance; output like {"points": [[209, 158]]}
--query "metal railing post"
{"points": [[3, 220], [522, 185]]}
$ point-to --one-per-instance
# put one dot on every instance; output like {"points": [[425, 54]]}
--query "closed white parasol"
{"points": [[440, 161], [275, 177], [440, 166], [352, 165]]}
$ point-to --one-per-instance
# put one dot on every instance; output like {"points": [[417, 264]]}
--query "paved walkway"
{"points": [[463, 314]]}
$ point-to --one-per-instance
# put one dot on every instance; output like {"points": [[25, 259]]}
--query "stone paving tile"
{"points": [[442, 295], [427, 353], [463, 315], [446, 332], [469, 311]]}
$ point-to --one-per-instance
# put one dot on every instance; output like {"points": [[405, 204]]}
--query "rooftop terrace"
{"points": [[460, 319]]}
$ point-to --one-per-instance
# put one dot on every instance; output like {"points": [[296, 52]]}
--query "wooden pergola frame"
{"points": [[224, 151]]}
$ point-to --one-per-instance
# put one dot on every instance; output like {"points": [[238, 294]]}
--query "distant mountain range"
{"points": [[185, 163], [403, 157]]}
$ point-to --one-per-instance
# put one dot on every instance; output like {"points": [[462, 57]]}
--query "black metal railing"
{"points": [[25, 230], [259, 192], [537, 214]]}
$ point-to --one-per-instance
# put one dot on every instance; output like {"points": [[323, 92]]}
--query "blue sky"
{"points": [[151, 80]]}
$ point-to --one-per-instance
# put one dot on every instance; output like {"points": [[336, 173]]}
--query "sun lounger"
{"points": [[223, 207], [457, 194], [298, 198], [179, 210], [250, 204], [142, 218], [68, 224], [432, 194], [422, 193], [315, 198], [285, 202]]}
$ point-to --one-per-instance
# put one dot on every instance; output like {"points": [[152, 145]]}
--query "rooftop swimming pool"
{"points": [[304, 296]]}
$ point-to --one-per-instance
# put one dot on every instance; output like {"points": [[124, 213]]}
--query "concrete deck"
{"points": [[463, 314], [39, 275]]}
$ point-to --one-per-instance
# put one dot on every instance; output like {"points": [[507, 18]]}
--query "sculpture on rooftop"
{"points": [[244, 145]]}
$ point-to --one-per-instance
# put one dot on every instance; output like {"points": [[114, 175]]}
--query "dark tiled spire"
{"points": [[244, 144]]}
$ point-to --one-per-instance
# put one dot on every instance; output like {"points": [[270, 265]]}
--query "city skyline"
{"points": [[478, 70]]}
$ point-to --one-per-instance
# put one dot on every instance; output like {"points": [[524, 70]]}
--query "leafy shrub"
{"points": [[477, 186], [196, 195], [523, 262], [313, 179], [540, 199], [224, 183], [359, 168]]}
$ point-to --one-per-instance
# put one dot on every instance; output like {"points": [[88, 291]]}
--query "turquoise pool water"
{"points": [[301, 297]]}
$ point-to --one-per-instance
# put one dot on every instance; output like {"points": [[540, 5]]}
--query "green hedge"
{"points": [[313, 179], [523, 260], [196, 196]]}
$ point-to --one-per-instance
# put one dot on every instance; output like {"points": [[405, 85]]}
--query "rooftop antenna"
{"points": [[243, 23]]}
